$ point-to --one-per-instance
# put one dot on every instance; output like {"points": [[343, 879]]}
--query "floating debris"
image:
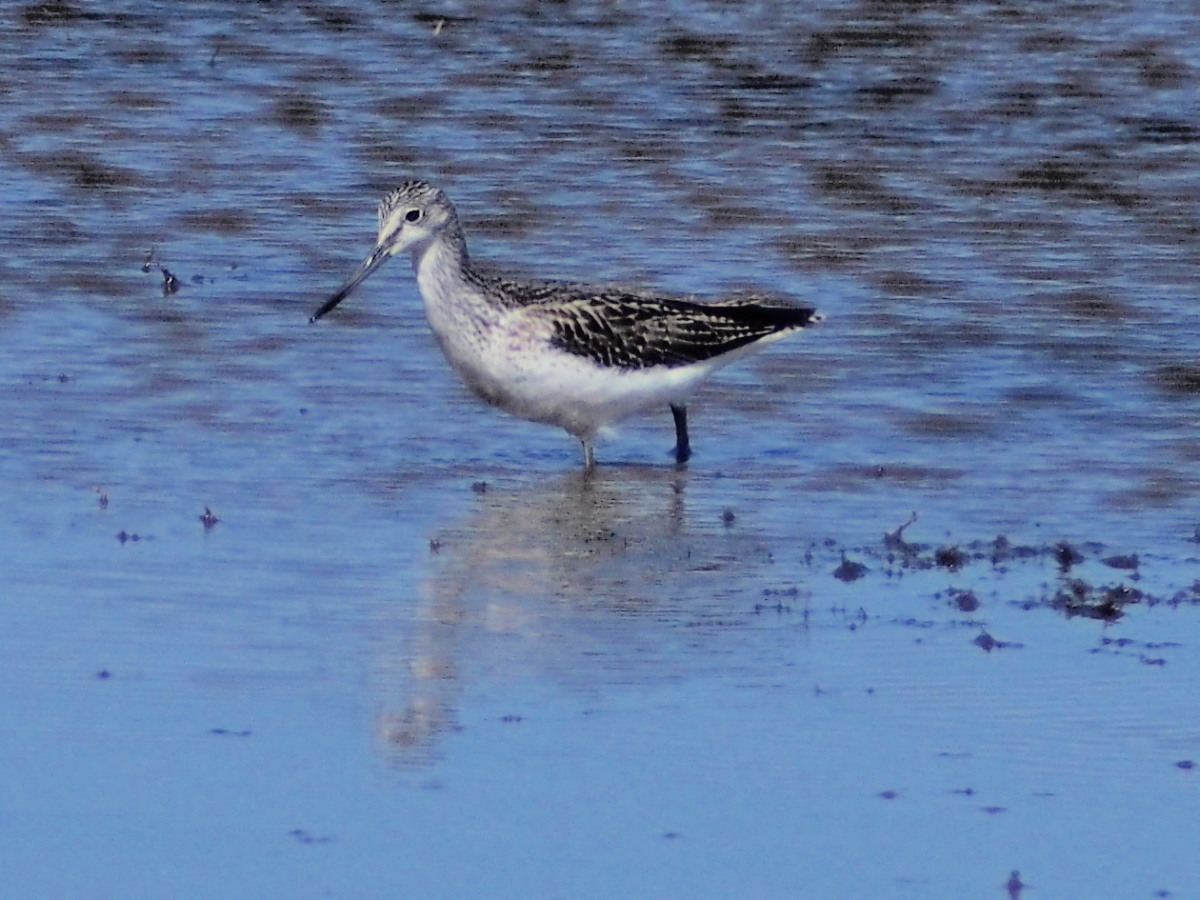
{"points": [[950, 558], [1003, 550], [849, 570], [208, 520], [1066, 556], [963, 600], [305, 837], [1014, 885], [987, 643], [1129, 561], [1066, 592], [894, 540], [171, 284], [1106, 602]]}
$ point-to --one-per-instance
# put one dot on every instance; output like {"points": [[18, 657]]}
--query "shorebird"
{"points": [[566, 354]]}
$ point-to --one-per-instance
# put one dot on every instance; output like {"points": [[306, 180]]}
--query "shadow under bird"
{"points": [[577, 356]]}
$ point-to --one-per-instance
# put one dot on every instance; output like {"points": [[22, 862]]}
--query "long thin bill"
{"points": [[377, 258]]}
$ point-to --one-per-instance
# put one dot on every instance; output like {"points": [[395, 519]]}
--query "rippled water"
{"points": [[435, 634]]}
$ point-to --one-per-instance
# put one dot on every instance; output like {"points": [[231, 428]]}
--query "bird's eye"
{"points": [[412, 215]]}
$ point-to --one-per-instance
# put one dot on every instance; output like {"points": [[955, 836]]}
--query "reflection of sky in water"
{"points": [[996, 210]]}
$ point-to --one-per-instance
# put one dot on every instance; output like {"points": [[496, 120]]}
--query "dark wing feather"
{"points": [[637, 333], [631, 330]]}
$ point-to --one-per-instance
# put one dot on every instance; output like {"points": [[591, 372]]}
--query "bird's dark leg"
{"points": [[683, 449]]}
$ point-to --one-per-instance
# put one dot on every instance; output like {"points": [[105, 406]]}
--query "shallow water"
{"points": [[418, 653]]}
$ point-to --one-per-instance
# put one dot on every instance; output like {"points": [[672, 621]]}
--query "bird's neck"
{"points": [[441, 265], [450, 289]]}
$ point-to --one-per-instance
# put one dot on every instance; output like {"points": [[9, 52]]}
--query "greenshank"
{"points": [[577, 356]]}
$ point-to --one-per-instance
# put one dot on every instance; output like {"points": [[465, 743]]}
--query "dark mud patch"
{"points": [[1088, 579], [1178, 379], [1106, 602]]}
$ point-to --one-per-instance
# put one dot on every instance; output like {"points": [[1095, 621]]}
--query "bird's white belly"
{"points": [[534, 380]]}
